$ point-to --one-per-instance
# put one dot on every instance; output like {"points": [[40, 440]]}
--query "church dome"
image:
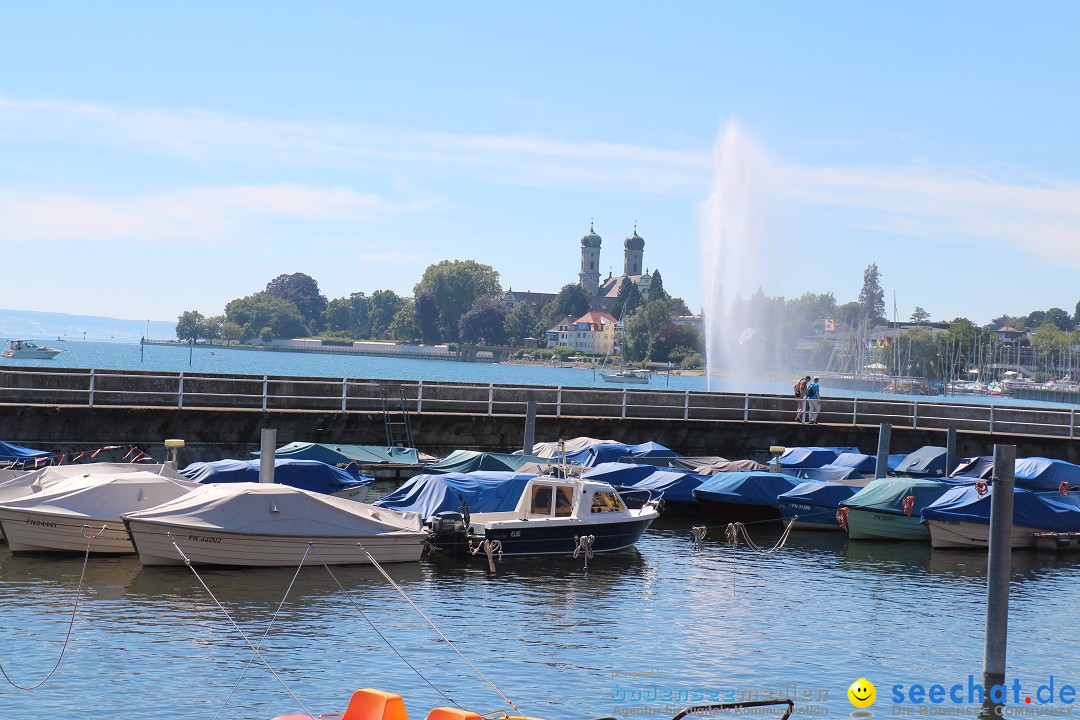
{"points": [[590, 239], [634, 242]]}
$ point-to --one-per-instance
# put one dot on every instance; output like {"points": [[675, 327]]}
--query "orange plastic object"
{"points": [[370, 704], [448, 713]]}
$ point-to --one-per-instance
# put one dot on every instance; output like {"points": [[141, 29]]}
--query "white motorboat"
{"points": [[27, 350], [271, 525], [553, 514], [64, 516], [629, 375]]}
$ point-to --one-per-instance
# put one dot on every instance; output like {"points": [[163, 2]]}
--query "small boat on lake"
{"points": [[889, 508], [813, 504], [961, 517], [27, 350], [627, 375], [744, 496], [271, 525]]}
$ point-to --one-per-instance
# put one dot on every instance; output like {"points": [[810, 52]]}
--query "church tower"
{"points": [[590, 262], [633, 251]]}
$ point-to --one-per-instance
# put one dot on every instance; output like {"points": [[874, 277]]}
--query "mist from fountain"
{"points": [[733, 245]]}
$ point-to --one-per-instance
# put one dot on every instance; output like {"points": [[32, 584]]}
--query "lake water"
{"points": [[666, 618], [559, 641]]}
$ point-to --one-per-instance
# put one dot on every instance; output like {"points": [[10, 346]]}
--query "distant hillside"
{"points": [[31, 325]]}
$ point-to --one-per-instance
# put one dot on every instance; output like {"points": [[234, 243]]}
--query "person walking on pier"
{"points": [[800, 399], [813, 400]]}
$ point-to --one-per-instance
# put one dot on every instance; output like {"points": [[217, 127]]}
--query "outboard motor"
{"points": [[448, 532]]}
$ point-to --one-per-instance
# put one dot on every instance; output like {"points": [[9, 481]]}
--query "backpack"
{"points": [[799, 387]]}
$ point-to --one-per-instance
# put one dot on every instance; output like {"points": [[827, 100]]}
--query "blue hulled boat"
{"points": [[815, 504]]}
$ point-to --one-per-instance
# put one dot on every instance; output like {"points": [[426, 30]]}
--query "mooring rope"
{"points": [[266, 633], [699, 532], [378, 632], [228, 617], [584, 547], [90, 535], [439, 632], [734, 530], [491, 548]]}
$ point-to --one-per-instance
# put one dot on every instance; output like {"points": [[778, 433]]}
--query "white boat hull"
{"points": [[28, 531], [876, 525], [953, 534], [630, 379], [154, 545]]}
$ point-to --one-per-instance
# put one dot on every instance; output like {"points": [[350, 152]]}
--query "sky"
{"points": [[163, 157]]}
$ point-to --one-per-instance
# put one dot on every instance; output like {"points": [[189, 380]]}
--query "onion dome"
{"points": [[634, 242], [590, 239]]}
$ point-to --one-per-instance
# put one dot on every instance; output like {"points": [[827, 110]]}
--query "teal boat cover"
{"points": [[480, 491], [747, 488], [467, 461], [887, 494], [335, 454], [925, 462], [1045, 511]]}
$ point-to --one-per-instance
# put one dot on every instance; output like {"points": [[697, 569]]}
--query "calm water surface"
{"points": [[554, 638]]}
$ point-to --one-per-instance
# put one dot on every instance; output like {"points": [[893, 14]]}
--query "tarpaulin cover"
{"points": [[867, 463], [820, 494], [334, 454], [304, 474], [17, 453], [593, 455], [1045, 511], [104, 496], [887, 494], [747, 488], [482, 492], [672, 485], [830, 473], [926, 461], [551, 449], [981, 467], [465, 461], [711, 466], [812, 457], [1039, 473], [619, 474]]}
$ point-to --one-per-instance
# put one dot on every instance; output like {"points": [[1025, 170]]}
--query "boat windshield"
{"points": [[564, 501], [606, 502], [541, 500]]}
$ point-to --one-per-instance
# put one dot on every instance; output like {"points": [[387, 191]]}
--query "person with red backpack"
{"points": [[800, 394]]}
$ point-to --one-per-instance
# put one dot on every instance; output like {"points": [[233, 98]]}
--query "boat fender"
{"points": [[841, 517], [1064, 487], [981, 488], [909, 505]]}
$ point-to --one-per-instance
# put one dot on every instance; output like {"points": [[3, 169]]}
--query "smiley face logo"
{"points": [[862, 693]]}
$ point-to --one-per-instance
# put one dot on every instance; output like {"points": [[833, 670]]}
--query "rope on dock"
{"points": [[255, 650], [90, 535], [439, 632]]}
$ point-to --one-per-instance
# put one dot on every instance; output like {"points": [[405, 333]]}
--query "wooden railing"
{"points": [[96, 388]]}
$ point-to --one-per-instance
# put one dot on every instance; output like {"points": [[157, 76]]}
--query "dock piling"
{"points": [[884, 435], [998, 564], [267, 456]]}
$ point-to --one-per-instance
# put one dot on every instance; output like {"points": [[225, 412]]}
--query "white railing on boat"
{"points": [[95, 388]]}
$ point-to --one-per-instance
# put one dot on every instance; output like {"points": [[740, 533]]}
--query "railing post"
{"points": [[92, 379], [419, 396], [344, 394], [266, 390], [1072, 421], [686, 406], [558, 403], [180, 393], [991, 419], [915, 415], [624, 402], [855, 411], [746, 408], [491, 397]]}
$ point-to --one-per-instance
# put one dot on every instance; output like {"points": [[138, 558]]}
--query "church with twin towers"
{"points": [[602, 291]]}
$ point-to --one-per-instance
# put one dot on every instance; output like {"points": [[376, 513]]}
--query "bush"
{"points": [[692, 361]]}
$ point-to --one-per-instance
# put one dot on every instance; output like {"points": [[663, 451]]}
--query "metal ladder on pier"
{"points": [[403, 426]]}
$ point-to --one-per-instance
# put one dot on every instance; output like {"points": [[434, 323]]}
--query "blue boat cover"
{"points": [[826, 473], [619, 474], [18, 453], [672, 485], [1045, 511], [334, 454], [858, 461], [821, 494], [747, 488], [1039, 473], [887, 494], [483, 491], [924, 462], [466, 461], [304, 474], [981, 467], [593, 455], [812, 457]]}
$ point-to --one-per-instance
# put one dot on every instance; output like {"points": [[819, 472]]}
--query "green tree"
{"points": [[919, 350], [656, 289], [231, 332], [1049, 338], [303, 292], [263, 310], [850, 315], [821, 354], [456, 285], [383, 305], [872, 297], [628, 300], [520, 324], [212, 327], [1061, 319], [189, 326], [426, 317], [403, 327], [338, 316], [485, 320], [266, 335], [919, 315]]}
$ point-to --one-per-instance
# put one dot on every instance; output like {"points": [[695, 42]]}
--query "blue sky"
{"points": [[157, 158]]}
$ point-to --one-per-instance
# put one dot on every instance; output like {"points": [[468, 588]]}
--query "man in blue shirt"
{"points": [[813, 398]]}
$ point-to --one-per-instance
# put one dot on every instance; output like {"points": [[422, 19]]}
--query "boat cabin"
{"points": [[549, 498]]}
